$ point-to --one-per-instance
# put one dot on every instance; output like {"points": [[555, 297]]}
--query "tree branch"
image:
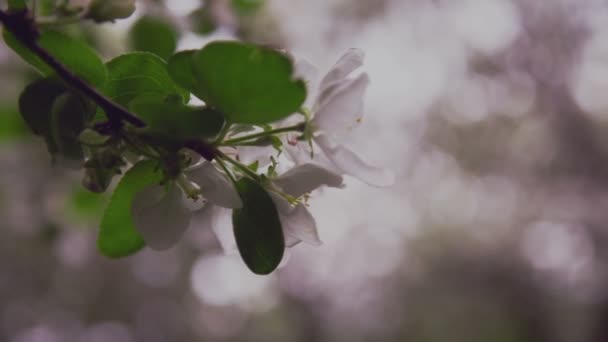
{"points": [[23, 27]]}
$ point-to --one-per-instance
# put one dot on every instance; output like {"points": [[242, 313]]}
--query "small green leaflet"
{"points": [[181, 70], [178, 120], [248, 83], [16, 4], [257, 228], [53, 112], [109, 10], [245, 7], [154, 35], [202, 21], [76, 55], [36, 101], [69, 116], [117, 235], [140, 73]]}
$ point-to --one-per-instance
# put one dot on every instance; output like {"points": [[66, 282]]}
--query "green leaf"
{"points": [[76, 55], [257, 228], [16, 5], [140, 73], [92, 137], [177, 120], [69, 116], [117, 236], [249, 84], [109, 10], [181, 70], [85, 204], [35, 104], [246, 6], [12, 126], [202, 22], [154, 35]]}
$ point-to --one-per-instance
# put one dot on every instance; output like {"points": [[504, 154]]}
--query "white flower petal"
{"points": [[215, 186], [297, 223], [300, 224], [351, 60], [305, 178], [349, 163], [161, 218], [220, 221], [251, 154], [305, 70], [310, 74], [222, 227], [284, 209], [343, 109]]}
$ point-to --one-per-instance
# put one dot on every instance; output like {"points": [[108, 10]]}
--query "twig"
{"points": [[23, 27]]}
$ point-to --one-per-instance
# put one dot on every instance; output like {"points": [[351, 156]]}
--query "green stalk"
{"points": [[241, 167], [238, 140], [225, 168]]}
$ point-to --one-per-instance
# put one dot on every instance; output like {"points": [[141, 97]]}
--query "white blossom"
{"points": [[337, 109], [297, 222], [161, 214]]}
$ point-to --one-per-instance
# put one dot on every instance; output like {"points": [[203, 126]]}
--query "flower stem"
{"points": [[56, 20], [223, 132], [299, 127], [241, 167], [225, 168]]}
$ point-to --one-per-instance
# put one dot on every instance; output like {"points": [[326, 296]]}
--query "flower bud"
{"points": [[97, 179], [109, 10]]}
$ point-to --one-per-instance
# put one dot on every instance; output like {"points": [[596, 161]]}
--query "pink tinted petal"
{"points": [[351, 60], [305, 178], [297, 222], [215, 186], [250, 154], [349, 163], [310, 74], [220, 221], [284, 209], [343, 109], [161, 223], [300, 225]]}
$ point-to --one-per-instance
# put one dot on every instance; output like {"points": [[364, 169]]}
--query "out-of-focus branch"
{"points": [[23, 27]]}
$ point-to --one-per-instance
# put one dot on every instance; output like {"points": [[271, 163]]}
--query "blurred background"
{"points": [[493, 115]]}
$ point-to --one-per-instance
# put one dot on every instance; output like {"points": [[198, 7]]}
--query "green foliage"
{"points": [[248, 83], [84, 204], [246, 6], [17, 4], [109, 10], [181, 70], [103, 164], [69, 115], [244, 87], [13, 126], [51, 111], [117, 235], [76, 55], [257, 228], [35, 103], [202, 21], [178, 120], [137, 74], [155, 35]]}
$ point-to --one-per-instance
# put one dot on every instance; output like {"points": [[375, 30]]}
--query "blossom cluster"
{"points": [[294, 163]]}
